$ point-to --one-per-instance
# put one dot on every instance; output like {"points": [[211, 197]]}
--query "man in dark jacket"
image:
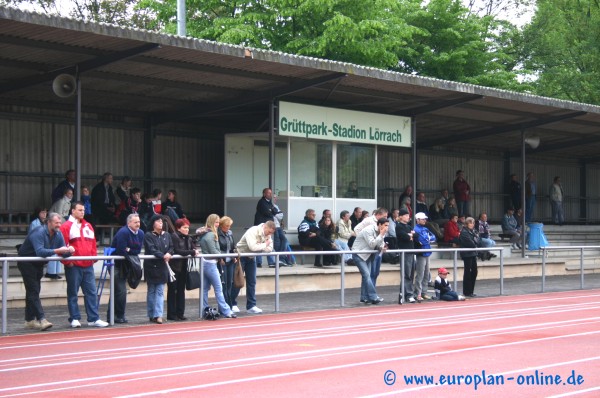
{"points": [[103, 200], [128, 240], [404, 237], [68, 182], [44, 241], [265, 210], [469, 238]]}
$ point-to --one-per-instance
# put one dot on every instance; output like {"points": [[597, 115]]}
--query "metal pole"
{"points": [[581, 266], [181, 23], [413, 199], [4, 295], [402, 286], [523, 226], [201, 293], [343, 284], [455, 269], [543, 269], [501, 272], [78, 139], [272, 145], [112, 295], [277, 283]]}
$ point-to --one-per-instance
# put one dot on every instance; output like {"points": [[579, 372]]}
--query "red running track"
{"points": [[543, 345]]}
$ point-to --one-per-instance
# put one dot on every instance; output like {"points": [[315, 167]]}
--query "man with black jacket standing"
{"points": [[404, 237], [265, 211]]}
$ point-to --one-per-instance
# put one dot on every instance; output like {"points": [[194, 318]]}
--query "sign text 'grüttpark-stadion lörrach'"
{"points": [[307, 121]]}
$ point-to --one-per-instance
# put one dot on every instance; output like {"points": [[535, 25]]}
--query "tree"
{"points": [[563, 48]]}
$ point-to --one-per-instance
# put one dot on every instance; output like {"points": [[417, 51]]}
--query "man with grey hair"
{"points": [[128, 241], [43, 241]]}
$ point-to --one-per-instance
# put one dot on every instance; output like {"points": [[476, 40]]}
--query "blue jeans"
{"points": [[375, 267], [463, 207], [449, 296], [280, 244], [53, 267], [367, 289], [249, 267], [487, 242], [344, 246], [155, 299], [85, 278], [558, 214], [213, 278]]}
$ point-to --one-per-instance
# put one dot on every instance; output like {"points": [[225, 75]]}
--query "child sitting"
{"points": [[443, 290]]}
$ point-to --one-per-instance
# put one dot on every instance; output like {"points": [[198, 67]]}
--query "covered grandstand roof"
{"points": [[227, 89]]}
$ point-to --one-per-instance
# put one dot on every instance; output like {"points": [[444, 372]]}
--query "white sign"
{"points": [[297, 120]]}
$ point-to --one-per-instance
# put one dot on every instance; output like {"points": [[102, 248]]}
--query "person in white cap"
{"points": [[425, 238]]}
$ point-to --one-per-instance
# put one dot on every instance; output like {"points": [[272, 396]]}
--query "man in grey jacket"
{"points": [[370, 238]]}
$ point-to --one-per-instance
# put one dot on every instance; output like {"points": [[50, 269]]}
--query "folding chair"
{"points": [[104, 273]]}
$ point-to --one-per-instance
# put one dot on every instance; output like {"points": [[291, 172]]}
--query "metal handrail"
{"points": [[546, 249]]}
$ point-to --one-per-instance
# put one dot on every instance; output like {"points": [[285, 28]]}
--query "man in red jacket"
{"points": [[79, 233]]}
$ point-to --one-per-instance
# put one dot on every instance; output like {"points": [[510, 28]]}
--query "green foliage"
{"points": [[563, 44]]}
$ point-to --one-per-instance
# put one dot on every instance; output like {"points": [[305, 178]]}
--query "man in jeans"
{"points": [[79, 233], [43, 241], [257, 239], [371, 237]]}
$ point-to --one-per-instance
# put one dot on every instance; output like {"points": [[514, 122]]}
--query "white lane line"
{"points": [[366, 363], [267, 321], [278, 358], [159, 349], [571, 393]]}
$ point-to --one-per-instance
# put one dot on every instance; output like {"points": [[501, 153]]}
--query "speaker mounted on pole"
{"points": [[64, 85]]}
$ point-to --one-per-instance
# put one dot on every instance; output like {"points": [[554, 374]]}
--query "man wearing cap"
{"points": [[404, 238], [425, 238], [443, 289], [510, 227]]}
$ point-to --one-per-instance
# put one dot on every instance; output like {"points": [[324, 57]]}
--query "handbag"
{"points": [[238, 275], [133, 270], [192, 280]]}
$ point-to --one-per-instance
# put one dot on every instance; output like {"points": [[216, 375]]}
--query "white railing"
{"points": [[546, 249]]}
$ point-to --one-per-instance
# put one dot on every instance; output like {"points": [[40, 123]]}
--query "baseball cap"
{"points": [[421, 216], [443, 271]]}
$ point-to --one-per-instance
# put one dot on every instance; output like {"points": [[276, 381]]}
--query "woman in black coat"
{"points": [[469, 238], [157, 243], [184, 246], [227, 264]]}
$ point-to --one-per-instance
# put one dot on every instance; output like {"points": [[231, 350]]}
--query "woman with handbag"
{"points": [[184, 246], [157, 243], [210, 245], [228, 264]]}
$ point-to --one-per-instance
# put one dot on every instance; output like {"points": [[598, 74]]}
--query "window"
{"points": [[355, 171], [311, 169]]}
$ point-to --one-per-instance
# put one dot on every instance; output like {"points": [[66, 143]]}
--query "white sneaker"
{"points": [[254, 310], [411, 299], [461, 297], [33, 324], [99, 323], [235, 309], [75, 323]]}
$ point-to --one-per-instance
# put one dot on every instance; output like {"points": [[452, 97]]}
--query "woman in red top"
{"points": [[451, 231]]}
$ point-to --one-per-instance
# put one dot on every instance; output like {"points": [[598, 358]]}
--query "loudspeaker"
{"points": [[64, 85], [533, 141]]}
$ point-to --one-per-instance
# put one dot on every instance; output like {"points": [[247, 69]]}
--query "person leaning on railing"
{"points": [[44, 241]]}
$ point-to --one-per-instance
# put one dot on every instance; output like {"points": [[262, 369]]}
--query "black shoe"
{"points": [[121, 320], [181, 318], [258, 265], [318, 265], [350, 262], [376, 301], [171, 318]]}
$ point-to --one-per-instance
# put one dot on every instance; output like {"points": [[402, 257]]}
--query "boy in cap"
{"points": [[443, 289]]}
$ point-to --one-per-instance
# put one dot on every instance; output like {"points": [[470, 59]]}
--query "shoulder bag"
{"points": [[193, 276]]}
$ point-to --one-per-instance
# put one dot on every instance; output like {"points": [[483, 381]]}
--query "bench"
{"points": [[300, 248], [504, 236]]}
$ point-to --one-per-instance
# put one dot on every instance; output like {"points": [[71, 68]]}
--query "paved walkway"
{"points": [[316, 300]]}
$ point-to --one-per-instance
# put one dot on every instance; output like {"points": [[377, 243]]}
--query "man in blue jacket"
{"points": [[43, 241]]}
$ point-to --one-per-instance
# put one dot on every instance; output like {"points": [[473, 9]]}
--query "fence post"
{"points": [[277, 283], [4, 295], [501, 272], [581, 267], [343, 283], [201, 294], [402, 293], [543, 269], [455, 269]]}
